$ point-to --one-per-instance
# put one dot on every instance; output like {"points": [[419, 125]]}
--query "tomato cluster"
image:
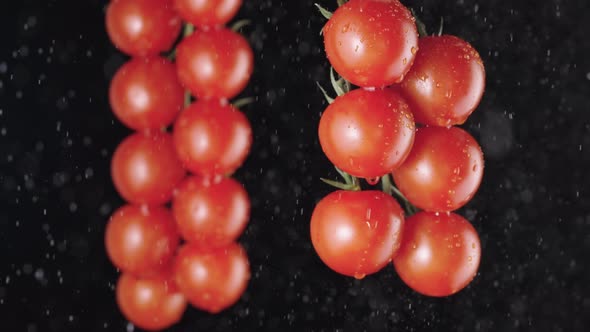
{"points": [[401, 120], [175, 240]]}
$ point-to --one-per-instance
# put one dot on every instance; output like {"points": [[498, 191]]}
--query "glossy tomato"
{"points": [[150, 303], [443, 171], [211, 213], [142, 27], [356, 233], [141, 240], [145, 93], [212, 137], [207, 13], [367, 133], [145, 168], [446, 81], [215, 63], [212, 279], [371, 43], [439, 254]]}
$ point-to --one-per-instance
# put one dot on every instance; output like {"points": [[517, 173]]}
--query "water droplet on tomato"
{"points": [[359, 276], [373, 181]]}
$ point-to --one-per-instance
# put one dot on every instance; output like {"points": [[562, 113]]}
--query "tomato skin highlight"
{"points": [[443, 171], [212, 279], [145, 93], [367, 133], [439, 254], [207, 13], [212, 138], [211, 213], [150, 303], [371, 43], [446, 82], [356, 233], [141, 240], [142, 27], [145, 168], [215, 63]]}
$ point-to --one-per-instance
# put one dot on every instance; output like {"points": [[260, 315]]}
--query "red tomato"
{"points": [[446, 81], [443, 171], [145, 168], [439, 254], [142, 27], [145, 93], [150, 303], [367, 133], [215, 63], [371, 43], [211, 214], [356, 233], [212, 137], [212, 279], [205, 13], [141, 240]]}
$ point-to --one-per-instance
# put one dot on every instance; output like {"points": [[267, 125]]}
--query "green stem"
{"points": [[441, 26], [243, 102], [386, 184], [187, 31], [240, 24], [187, 98], [343, 186], [347, 177], [420, 25], [390, 189]]}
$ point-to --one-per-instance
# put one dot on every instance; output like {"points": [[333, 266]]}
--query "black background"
{"points": [[57, 135]]}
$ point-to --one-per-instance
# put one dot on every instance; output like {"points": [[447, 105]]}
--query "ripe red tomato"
{"points": [[443, 171], [214, 64], [211, 214], [439, 254], [446, 82], [367, 133], [141, 240], [145, 168], [142, 27], [212, 137], [145, 93], [212, 279], [206, 13], [150, 303], [371, 43], [356, 233]]}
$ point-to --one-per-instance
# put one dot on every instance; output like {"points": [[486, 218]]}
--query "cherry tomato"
{"points": [[371, 43], [443, 171], [211, 213], [212, 279], [367, 133], [141, 240], [145, 93], [212, 137], [145, 168], [446, 81], [205, 13], [142, 27], [150, 303], [215, 63], [439, 254], [356, 233]]}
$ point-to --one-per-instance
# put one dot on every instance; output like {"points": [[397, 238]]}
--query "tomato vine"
{"points": [[426, 86], [186, 166]]}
